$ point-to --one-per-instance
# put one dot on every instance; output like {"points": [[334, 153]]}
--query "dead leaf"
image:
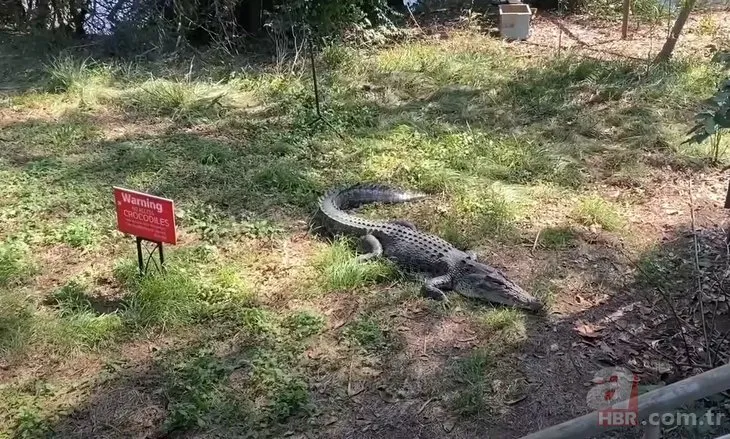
{"points": [[588, 330], [448, 425], [515, 401], [607, 349], [387, 396], [355, 388]]}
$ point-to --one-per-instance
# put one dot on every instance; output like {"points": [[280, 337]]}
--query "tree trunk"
{"points": [[625, 23], [673, 37], [42, 13], [249, 15], [78, 18]]}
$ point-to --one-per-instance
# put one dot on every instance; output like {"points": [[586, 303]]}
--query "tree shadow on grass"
{"points": [[399, 393], [608, 111]]}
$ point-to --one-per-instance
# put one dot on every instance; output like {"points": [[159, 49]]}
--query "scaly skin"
{"points": [[443, 266]]}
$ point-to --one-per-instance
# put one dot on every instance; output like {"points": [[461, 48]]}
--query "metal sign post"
{"points": [[320, 117]]}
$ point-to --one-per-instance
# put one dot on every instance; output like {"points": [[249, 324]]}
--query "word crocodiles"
{"points": [[442, 266]]}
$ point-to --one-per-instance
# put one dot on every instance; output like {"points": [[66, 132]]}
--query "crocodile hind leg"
{"points": [[372, 247], [434, 288]]}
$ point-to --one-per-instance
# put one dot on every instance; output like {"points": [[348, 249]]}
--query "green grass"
{"points": [[478, 214], [473, 374], [72, 299], [339, 270], [367, 334], [15, 263], [268, 387], [594, 210], [175, 99], [557, 238], [507, 324], [68, 74], [183, 294], [79, 234], [17, 318]]}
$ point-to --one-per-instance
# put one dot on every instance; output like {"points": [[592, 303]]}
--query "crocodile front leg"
{"points": [[433, 288], [372, 247]]}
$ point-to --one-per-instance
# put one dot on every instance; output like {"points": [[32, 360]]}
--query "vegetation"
{"points": [[713, 122], [258, 327], [594, 210]]}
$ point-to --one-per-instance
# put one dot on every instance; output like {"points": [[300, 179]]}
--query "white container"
{"points": [[514, 21]]}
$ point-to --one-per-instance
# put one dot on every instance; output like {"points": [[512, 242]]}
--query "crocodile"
{"points": [[440, 265]]}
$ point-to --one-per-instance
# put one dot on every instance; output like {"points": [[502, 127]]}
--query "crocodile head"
{"points": [[480, 281]]}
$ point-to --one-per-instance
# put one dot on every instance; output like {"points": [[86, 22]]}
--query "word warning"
{"points": [[145, 216]]}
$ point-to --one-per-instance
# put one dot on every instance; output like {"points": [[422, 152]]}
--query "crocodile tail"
{"points": [[363, 193]]}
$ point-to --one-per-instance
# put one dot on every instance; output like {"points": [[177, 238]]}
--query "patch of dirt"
{"points": [[397, 394], [131, 407], [591, 38]]}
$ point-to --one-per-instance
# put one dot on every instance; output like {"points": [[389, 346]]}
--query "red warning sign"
{"points": [[145, 215]]}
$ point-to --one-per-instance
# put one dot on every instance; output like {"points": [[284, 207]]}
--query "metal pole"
{"points": [[162, 257], [661, 400], [140, 260], [314, 76]]}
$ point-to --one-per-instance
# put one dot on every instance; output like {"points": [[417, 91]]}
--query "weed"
{"points": [[657, 268], [367, 334], [336, 56], [278, 382], [287, 177], [31, 424], [67, 137], [171, 299], [78, 234], [259, 323], [72, 299], [262, 229], [557, 238], [227, 287], [476, 215], [339, 269], [80, 325], [67, 74], [594, 210], [17, 320], [303, 324], [518, 160], [194, 390], [88, 330], [472, 372], [15, 266], [545, 290], [708, 26], [507, 324]]}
